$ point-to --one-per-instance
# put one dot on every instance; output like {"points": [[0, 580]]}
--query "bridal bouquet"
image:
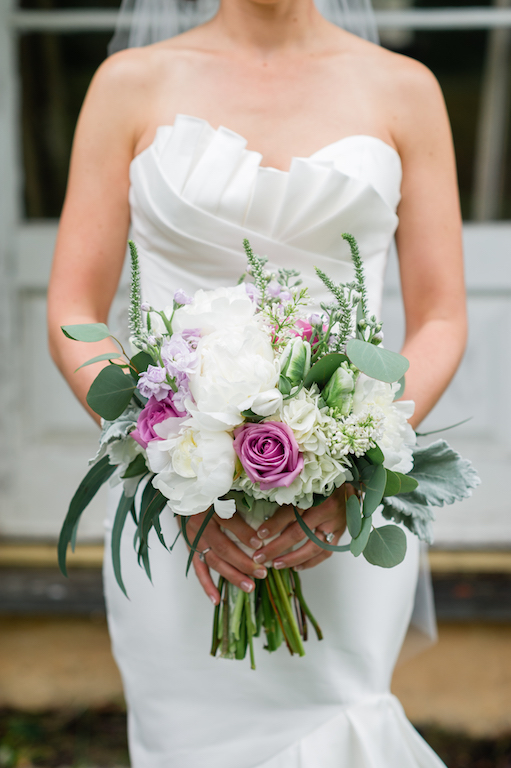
{"points": [[240, 400]]}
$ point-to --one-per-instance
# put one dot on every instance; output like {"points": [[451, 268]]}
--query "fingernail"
{"points": [[255, 543], [259, 558], [298, 568], [260, 573], [247, 586], [278, 564], [263, 533], [213, 599]]}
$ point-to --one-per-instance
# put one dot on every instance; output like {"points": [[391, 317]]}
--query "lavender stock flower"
{"points": [[153, 383]]}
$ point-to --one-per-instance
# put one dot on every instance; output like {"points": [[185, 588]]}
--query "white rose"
{"points": [[398, 437], [215, 310], [194, 469], [235, 364]]}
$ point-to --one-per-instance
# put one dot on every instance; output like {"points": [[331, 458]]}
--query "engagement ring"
{"points": [[202, 555], [329, 537]]}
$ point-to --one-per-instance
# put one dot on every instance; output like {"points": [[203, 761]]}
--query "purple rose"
{"points": [[154, 412], [269, 453]]}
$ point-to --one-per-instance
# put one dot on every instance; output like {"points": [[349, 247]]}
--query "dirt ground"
{"points": [[97, 739]]}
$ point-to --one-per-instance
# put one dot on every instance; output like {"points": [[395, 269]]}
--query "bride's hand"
{"points": [[327, 518], [223, 555]]}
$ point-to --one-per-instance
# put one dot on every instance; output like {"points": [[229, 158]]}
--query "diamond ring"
{"points": [[202, 555], [329, 537]]}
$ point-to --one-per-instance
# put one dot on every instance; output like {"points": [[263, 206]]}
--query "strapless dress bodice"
{"points": [[197, 192]]}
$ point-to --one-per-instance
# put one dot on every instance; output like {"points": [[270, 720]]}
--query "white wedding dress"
{"points": [[196, 193]]}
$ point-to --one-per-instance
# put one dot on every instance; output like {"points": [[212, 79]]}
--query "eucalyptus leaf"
{"points": [[401, 389], [353, 516], [408, 483], [372, 479], [386, 546], [86, 332], [358, 545], [375, 455], [378, 363], [111, 392], [392, 484], [323, 370], [99, 358], [141, 362], [90, 485]]}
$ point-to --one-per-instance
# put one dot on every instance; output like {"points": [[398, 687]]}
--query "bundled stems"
{"points": [[277, 606]]}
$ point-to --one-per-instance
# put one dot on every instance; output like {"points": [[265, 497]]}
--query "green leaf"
{"points": [[141, 362], [151, 506], [99, 358], [137, 467], [375, 455], [284, 385], [386, 546], [357, 545], [86, 331], [408, 484], [312, 536], [193, 548], [401, 389], [110, 392], [353, 517], [123, 508], [393, 484], [91, 483], [378, 363], [323, 370], [373, 479]]}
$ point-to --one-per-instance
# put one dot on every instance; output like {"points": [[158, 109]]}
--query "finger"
{"points": [[292, 535], [244, 532], [276, 524], [303, 554], [206, 582], [227, 550], [226, 570], [314, 561]]}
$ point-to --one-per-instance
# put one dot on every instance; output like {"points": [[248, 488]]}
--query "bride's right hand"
{"points": [[223, 555]]}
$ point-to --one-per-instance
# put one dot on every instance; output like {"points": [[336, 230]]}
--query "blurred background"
{"points": [[60, 694]]}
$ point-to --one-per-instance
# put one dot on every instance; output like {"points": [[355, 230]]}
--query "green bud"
{"points": [[338, 393], [295, 360]]}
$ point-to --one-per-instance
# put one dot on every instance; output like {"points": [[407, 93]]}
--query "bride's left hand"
{"points": [[328, 517]]}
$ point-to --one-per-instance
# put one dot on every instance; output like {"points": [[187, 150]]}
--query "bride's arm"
{"points": [[429, 241], [90, 252]]}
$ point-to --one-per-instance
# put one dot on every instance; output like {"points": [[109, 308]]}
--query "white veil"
{"points": [[141, 22]]}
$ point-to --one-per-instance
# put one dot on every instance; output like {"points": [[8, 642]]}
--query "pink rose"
{"points": [[304, 329], [268, 453], [154, 412]]}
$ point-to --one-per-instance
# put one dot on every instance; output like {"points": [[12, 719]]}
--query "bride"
{"points": [[269, 122]]}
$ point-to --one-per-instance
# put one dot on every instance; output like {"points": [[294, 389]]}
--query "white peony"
{"points": [[194, 467], [398, 436], [236, 371], [215, 310]]}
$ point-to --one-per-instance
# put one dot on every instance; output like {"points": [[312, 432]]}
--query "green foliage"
{"points": [[359, 271], [358, 544], [353, 517], [193, 548], [378, 363], [88, 332], [140, 362], [393, 484], [136, 324], [401, 390], [375, 455], [372, 482], [256, 268], [91, 483], [110, 392], [312, 536], [126, 505], [136, 468], [407, 482], [100, 358], [386, 546], [323, 370], [337, 291]]}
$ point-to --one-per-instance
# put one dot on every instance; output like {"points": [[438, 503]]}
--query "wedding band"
{"points": [[202, 555], [329, 537]]}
